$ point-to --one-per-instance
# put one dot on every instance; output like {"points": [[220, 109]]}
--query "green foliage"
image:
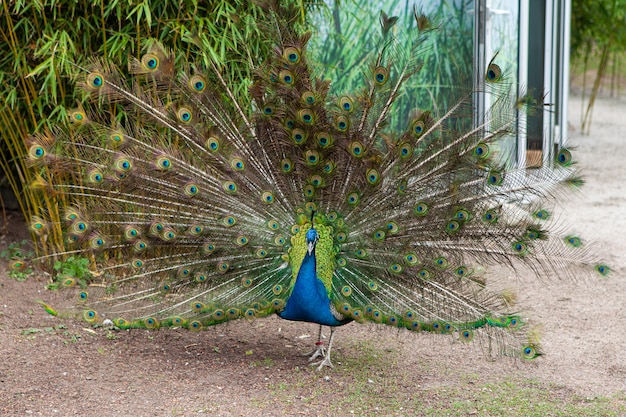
{"points": [[73, 267], [17, 257], [347, 36], [44, 44], [597, 31]]}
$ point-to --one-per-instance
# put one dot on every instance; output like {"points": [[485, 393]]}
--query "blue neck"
{"points": [[309, 300]]}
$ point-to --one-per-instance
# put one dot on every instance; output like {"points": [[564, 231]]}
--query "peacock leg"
{"points": [[326, 361], [319, 349]]}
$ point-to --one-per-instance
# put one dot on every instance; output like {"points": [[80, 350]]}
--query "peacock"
{"points": [[196, 210]]}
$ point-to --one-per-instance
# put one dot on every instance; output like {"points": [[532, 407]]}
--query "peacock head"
{"points": [[311, 239]]}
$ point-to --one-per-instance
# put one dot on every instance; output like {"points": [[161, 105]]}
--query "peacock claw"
{"points": [[324, 362], [320, 351]]}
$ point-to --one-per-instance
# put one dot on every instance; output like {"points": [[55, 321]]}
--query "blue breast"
{"points": [[309, 301]]}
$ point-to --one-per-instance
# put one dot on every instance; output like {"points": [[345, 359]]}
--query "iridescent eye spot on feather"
{"points": [[229, 221], [137, 263], [529, 352], [461, 215], [346, 104], [286, 77], [341, 262], [191, 190], [230, 187], [308, 98], [36, 152], [309, 191], [200, 277], [316, 180], [329, 167], [361, 253], [292, 54], [68, 282], [97, 242], [564, 158], [150, 62], [424, 273], [163, 163], [520, 248], [495, 178], [280, 241], [490, 216], [379, 235], [466, 336], [441, 262], [541, 214], [222, 267], [197, 306], [372, 176], [213, 144], [151, 323], [95, 176], [417, 128], [116, 139], [286, 165], [312, 157], [90, 316], [306, 116], [208, 248], [165, 288], [237, 164], [195, 230], [573, 241], [395, 268], [122, 164], [78, 116], [381, 75], [246, 282], [195, 325], [342, 123], [461, 272], [392, 228], [482, 150], [261, 253], [453, 226], [346, 291], [241, 241], [37, 226], [273, 224], [197, 83], [411, 259], [356, 149], [405, 150], [140, 246], [341, 237], [267, 197], [420, 209], [289, 124], [353, 199], [95, 80], [277, 289], [602, 269], [298, 136], [268, 110], [82, 296], [324, 140], [494, 73], [131, 233]]}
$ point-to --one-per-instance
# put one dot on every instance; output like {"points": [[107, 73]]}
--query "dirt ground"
{"points": [[52, 367]]}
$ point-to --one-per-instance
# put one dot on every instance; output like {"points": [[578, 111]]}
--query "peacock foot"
{"points": [[318, 351], [324, 362]]}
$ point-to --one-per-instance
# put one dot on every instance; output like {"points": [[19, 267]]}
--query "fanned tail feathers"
{"points": [[194, 208]]}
